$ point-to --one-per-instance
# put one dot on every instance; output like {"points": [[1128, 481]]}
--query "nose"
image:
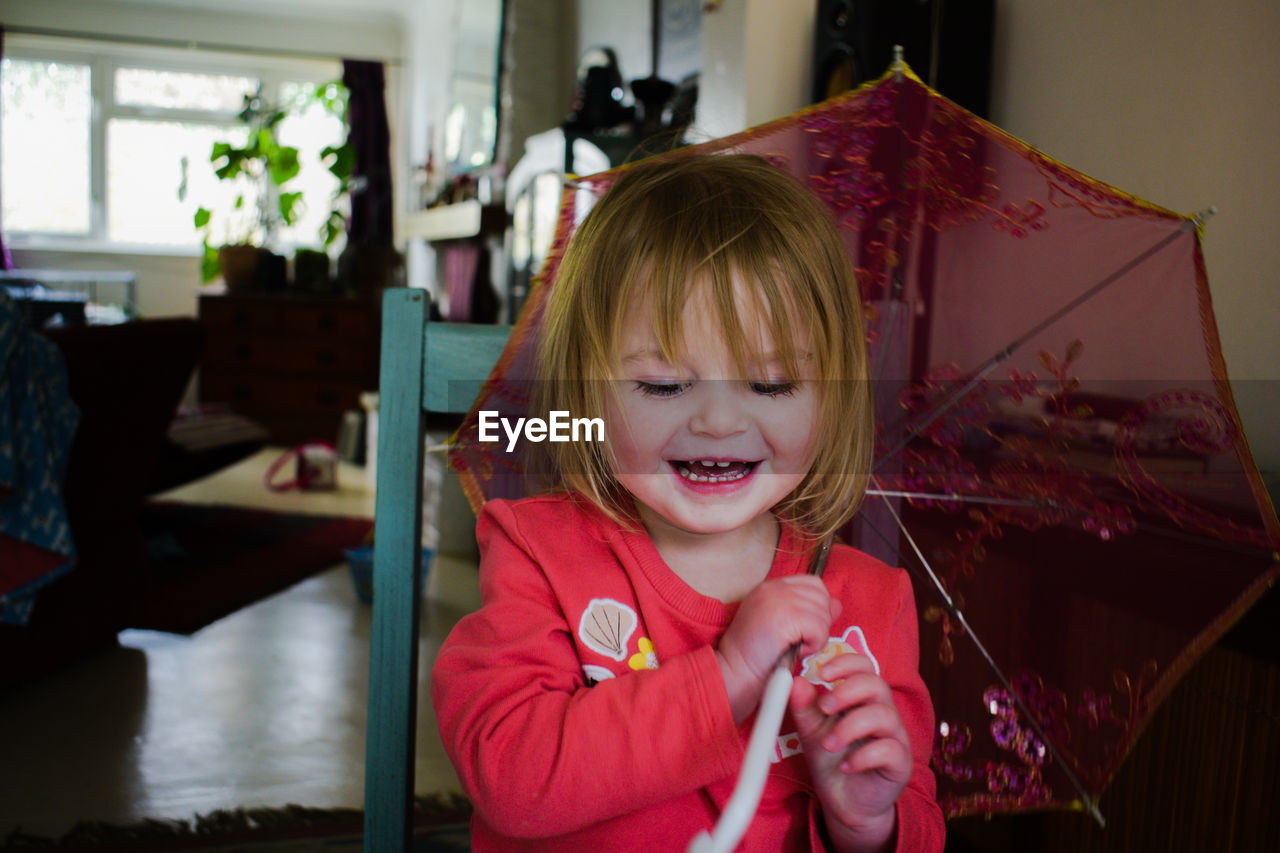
{"points": [[718, 411]]}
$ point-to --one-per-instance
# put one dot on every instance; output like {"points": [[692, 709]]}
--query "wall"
{"points": [[539, 63], [168, 285], [623, 25], [756, 58], [314, 30], [1175, 101]]}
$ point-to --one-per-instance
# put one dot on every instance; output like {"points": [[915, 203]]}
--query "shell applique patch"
{"points": [[595, 673], [606, 626], [852, 642]]}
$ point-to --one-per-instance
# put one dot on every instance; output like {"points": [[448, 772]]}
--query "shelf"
{"points": [[452, 221]]}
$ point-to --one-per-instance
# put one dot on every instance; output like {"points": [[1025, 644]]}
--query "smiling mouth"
{"points": [[711, 471]]}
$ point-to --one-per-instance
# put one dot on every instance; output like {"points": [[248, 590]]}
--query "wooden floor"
{"points": [[263, 708]]}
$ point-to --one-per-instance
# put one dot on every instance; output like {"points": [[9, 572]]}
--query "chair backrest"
{"points": [[425, 368]]}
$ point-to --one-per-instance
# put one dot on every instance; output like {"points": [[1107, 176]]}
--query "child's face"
{"points": [[702, 448]]}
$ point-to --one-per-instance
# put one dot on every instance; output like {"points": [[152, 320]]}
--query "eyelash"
{"points": [[663, 390], [775, 389]]}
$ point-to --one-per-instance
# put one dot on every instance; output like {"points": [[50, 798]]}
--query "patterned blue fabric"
{"points": [[37, 423]]}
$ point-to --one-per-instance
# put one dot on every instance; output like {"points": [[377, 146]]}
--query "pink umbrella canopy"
{"points": [[1060, 461]]}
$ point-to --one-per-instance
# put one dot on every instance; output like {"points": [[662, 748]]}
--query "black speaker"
{"points": [[946, 42]]}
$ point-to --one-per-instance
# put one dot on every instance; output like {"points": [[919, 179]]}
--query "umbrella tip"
{"points": [[1203, 216], [1091, 806]]}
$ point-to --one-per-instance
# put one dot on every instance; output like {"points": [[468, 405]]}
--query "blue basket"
{"points": [[360, 561]]}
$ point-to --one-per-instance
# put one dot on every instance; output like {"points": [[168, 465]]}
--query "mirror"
{"points": [[471, 127]]}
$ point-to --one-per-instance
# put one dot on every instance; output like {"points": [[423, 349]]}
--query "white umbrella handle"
{"points": [[741, 807]]}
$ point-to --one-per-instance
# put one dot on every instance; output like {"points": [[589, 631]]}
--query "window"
{"points": [[106, 144], [45, 141]]}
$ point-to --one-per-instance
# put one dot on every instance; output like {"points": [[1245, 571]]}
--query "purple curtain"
{"points": [[370, 222]]}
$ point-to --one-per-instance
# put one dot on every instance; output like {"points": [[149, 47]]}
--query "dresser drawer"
{"points": [[254, 393], [288, 316], [293, 362], [341, 321], [243, 315], [294, 356]]}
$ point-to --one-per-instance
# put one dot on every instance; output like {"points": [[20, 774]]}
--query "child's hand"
{"points": [[857, 749], [774, 616]]}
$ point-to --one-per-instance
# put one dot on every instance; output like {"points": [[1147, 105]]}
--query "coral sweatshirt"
{"points": [[584, 709]]}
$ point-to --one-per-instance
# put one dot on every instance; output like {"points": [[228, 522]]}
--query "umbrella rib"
{"points": [[1077, 512], [1004, 354], [896, 290], [1089, 804], [952, 496]]}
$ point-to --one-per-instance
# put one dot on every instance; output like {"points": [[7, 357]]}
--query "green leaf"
{"points": [[344, 158], [202, 217], [334, 227], [236, 159], [288, 207], [263, 143], [284, 165], [209, 265]]}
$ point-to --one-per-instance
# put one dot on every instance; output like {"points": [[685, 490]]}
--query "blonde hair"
{"points": [[673, 224]]}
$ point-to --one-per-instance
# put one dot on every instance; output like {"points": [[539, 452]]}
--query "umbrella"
{"points": [[1060, 461]]}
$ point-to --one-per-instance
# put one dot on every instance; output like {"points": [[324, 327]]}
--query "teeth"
{"points": [[711, 463], [712, 478]]}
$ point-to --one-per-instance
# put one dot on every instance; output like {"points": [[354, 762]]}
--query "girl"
{"points": [[602, 696]]}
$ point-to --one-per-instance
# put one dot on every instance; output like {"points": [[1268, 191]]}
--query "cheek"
{"points": [[633, 435], [793, 434], [643, 423]]}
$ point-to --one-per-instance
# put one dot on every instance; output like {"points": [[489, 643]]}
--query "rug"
{"points": [[440, 825], [208, 561]]}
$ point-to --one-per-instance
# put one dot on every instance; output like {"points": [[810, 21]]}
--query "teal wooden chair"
{"points": [[427, 370]]}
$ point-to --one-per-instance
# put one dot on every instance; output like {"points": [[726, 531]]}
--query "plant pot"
{"points": [[272, 273], [239, 265], [311, 271]]}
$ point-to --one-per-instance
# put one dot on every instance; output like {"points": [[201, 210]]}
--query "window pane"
{"points": [[150, 164], [310, 128], [44, 135], [143, 87]]}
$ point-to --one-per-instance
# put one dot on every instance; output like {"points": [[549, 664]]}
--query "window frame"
{"points": [[102, 59]]}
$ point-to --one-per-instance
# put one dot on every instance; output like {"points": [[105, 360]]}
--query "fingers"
{"points": [[886, 755], [857, 716], [808, 718], [846, 666], [862, 724], [776, 615], [814, 608], [799, 608]]}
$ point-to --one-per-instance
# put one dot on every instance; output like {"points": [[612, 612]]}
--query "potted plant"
{"points": [[236, 244], [312, 266]]}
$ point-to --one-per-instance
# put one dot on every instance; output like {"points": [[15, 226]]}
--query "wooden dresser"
{"points": [[294, 363]]}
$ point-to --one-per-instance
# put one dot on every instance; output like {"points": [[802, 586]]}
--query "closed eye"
{"points": [[661, 389], [775, 389]]}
